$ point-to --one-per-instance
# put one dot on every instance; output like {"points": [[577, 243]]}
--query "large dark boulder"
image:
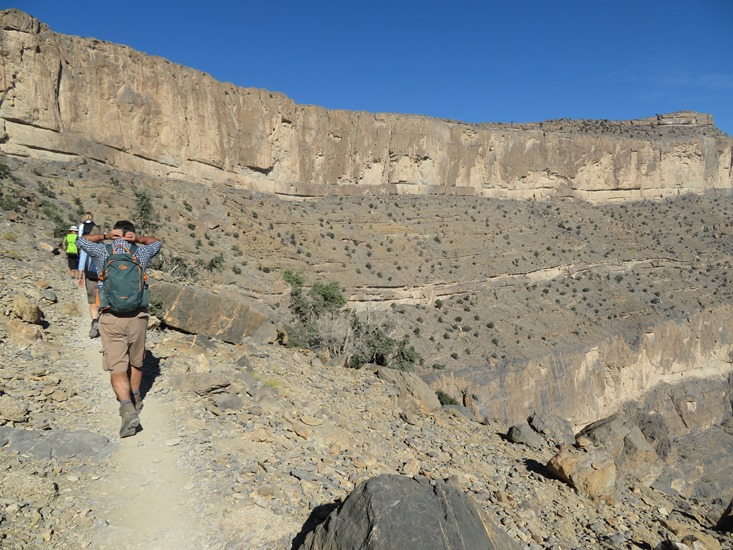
{"points": [[523, 433], [391, 511]]}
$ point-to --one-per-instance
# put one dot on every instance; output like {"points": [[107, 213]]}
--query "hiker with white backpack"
{"points": [[123, 311], [87, 271]]}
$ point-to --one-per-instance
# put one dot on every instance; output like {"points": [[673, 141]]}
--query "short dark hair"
{"points": [[127, 227]]}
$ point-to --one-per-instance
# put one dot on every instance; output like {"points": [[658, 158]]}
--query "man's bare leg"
{"points": [[121, 385]]}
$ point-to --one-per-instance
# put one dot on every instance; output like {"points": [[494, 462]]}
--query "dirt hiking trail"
{"points": [[143, 492]]}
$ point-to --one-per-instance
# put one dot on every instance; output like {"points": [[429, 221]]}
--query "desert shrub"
{"points": [[43, 189], [322, 322], [175, 265], [8, 199], [368, 342], [326, 298], [51, 211], [79, 207], [156, 308], [445, 399], [215, 264]]}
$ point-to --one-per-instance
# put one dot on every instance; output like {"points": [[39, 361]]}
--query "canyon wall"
{"points": [[594, 383], [65, 96]]}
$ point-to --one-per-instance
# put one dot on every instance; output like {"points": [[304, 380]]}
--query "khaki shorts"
{"points": [[91, 287], [123, 340]]}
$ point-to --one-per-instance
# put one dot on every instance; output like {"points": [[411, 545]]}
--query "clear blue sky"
{"points": [[469, 60]]}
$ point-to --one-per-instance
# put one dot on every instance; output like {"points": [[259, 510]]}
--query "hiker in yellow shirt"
{"points": [[72, 253]]}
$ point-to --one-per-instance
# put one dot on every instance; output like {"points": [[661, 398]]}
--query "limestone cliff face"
{"points": [[66, 96], [592, 384]]}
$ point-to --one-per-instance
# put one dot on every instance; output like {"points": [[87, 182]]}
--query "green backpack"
{"points": [[124, 288], [71, 243]]}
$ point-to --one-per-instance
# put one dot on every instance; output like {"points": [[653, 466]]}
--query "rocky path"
{"points": [[144, 491]]}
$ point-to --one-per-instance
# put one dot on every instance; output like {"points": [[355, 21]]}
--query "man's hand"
{"points": [[130, 237]]}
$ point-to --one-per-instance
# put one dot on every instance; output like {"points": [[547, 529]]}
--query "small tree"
{"points": [[327, 298], [144, 212]]}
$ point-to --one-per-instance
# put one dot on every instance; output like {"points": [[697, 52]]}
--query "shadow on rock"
{"points": [[537, 467], [318, 515]]}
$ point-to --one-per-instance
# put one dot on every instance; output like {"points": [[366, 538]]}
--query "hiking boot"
{"points": [[130, 420], [138, 401], [94, 331]]}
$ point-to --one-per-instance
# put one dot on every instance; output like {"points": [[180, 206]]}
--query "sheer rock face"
{"points": [[67, 96]]}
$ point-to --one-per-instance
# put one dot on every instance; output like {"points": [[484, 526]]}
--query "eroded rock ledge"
{"points": [[65, 96]]}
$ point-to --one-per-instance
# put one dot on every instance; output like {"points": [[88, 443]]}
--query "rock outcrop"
{"points": [[225, 315], [66, 96], [624, 442]]}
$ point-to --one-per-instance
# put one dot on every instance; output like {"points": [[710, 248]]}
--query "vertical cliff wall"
{"points": [[65, 96], [593, 383]]}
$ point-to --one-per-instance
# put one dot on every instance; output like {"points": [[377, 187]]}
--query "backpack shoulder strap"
{"points": [[125, 248]]}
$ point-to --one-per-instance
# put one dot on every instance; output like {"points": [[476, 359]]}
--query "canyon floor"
{"points": [[248, 446]]}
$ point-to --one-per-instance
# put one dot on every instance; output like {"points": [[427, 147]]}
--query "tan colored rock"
{"points": [[225, 315], [25, 310], [12, 409], [410, 468], [201, 383], [23, 333], [628, 448], [77, 96], [69, 310], [309, 420], [693, 538], [413, 391], [592, 472]]}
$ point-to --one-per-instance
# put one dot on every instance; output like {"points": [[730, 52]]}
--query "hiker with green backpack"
{"points": [[69, 246], [123, 311]]}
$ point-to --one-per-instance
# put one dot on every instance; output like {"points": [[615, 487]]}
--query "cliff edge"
{"points": [[65, 96]]}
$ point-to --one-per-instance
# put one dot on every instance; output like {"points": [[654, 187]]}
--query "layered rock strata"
{"points": [[65, 96]]}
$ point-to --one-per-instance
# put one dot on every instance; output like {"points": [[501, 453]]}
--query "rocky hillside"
{"points": [[252, 445], [65, 97], [563, 307]]}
